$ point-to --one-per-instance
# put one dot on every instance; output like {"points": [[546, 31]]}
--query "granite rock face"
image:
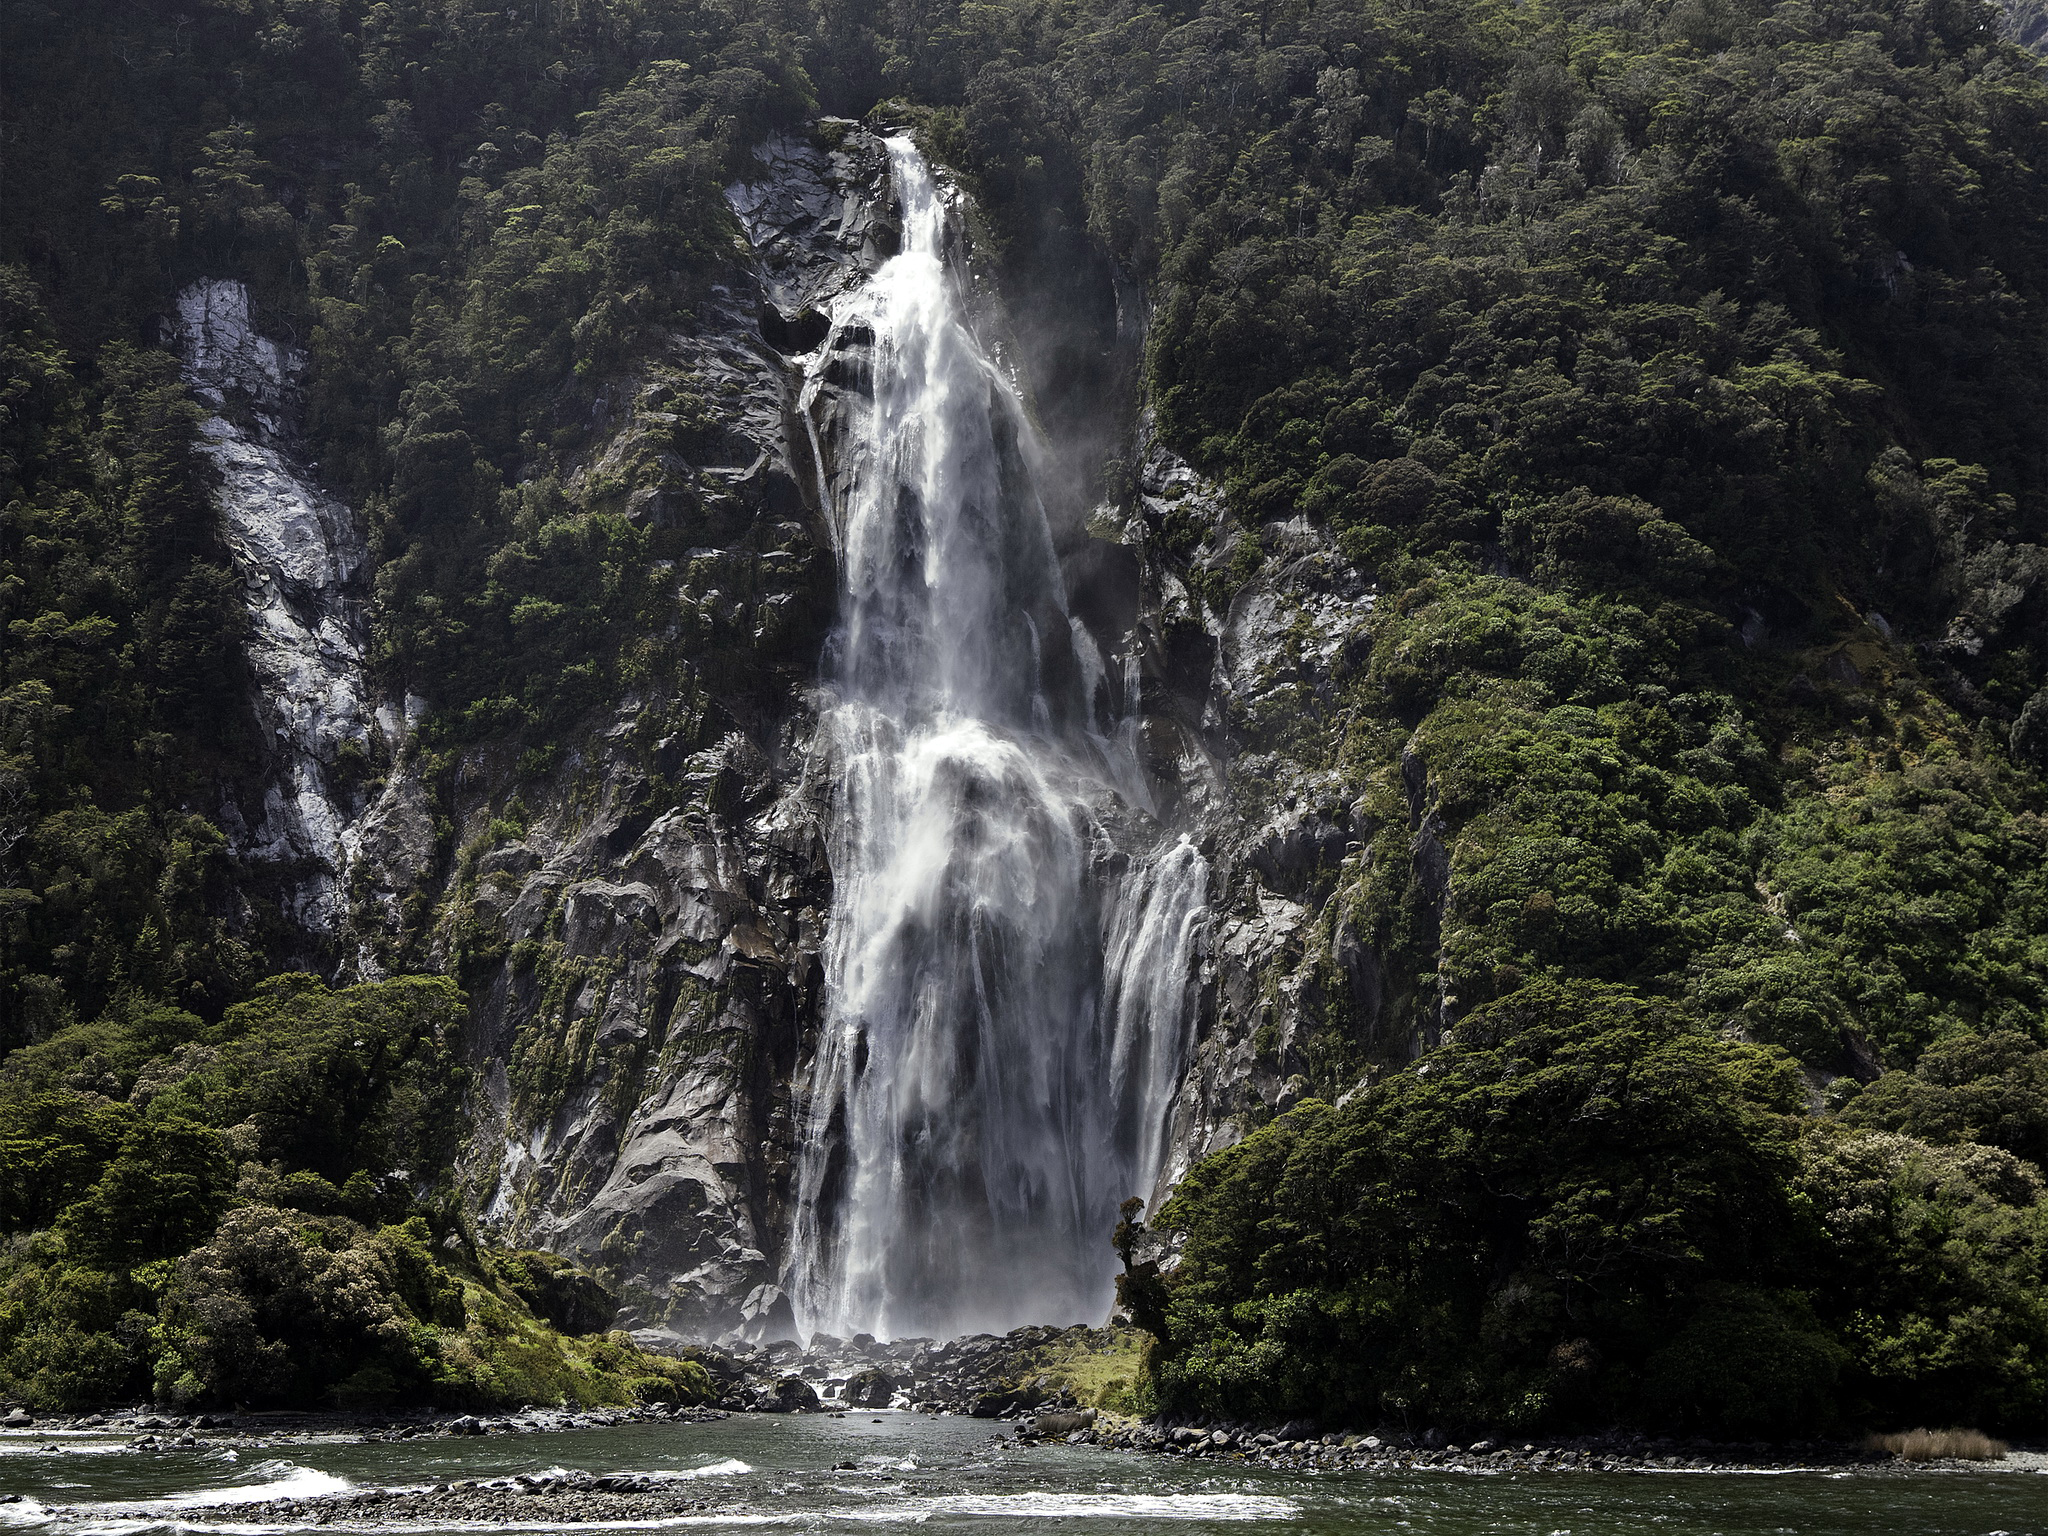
{"points": [[652, 968], [300, 554]]}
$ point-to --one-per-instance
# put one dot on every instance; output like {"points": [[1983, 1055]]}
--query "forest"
{"points": [[1670, 370]]}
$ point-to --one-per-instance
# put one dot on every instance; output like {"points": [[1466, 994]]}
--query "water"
{"points": [[1009, 952], [955, 1475]]}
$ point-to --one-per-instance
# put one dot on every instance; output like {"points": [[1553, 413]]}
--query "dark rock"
{"points": [[871, 1389], [793, 331], [792, 1394]]}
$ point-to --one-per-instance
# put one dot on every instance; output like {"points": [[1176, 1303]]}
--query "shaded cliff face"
{"points": [[643, 958], [641, 915], [300, 554]]}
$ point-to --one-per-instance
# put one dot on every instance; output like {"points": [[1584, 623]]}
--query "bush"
{"points": [[1931, 1271], [1586, 1208], [1989, 1088], [238, 1224], [1939, 1445], [1508, 1232], [558, 1289], [1747, 1362]]}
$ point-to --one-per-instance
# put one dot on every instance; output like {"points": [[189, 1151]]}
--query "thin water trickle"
{"points": [[1008, 989]]}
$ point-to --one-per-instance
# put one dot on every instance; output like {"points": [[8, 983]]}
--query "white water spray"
{"points": [[1008, 992]]}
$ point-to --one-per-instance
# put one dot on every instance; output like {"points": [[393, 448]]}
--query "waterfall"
{"points": [[1007, 988]]}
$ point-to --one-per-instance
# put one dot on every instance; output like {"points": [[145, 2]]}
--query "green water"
{"points": [[956, 1475]]}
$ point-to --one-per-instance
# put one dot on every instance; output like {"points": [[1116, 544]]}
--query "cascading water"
{"points": [[1008, 992]]}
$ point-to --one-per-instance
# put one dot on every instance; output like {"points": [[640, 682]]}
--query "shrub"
{"points": [[1582, 1176], [1939, 1445]]}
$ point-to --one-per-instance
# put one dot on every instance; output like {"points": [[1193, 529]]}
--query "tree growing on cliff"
{"points": [[1585, 1206]]}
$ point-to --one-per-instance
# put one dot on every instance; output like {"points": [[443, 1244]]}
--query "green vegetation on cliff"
{"points": [[1586, 1207], [120, 675], [1672, 372], [255, 1212]]}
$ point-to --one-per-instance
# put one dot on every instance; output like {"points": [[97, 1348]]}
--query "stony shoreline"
{"points": [[1021, 1379], [155, 1431], [982, 1375], [570, 1497], [1300, 1449]]}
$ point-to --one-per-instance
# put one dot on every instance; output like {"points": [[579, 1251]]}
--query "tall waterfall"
{"points": [[1008, 995]]}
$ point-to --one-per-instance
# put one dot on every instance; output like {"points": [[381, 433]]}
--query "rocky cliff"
{"points": [[301, 556], [637, 911]]}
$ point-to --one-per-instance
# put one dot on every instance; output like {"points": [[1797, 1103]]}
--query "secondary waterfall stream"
{"points": [[1008, 989]]}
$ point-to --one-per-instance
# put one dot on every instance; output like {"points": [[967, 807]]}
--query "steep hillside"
{"points": [[1560, 494]]}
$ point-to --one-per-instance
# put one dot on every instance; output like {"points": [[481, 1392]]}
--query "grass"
{"points": [[1101, 1370], [1939, 1445]]}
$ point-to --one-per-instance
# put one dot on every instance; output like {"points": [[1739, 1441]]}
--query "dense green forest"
{"points": [[1674, 371], [232, 1214]]}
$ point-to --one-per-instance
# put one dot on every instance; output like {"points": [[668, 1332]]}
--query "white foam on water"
{"points": [[80, 1447], [808, 1518], [730, 1467], [1147, 1506], [1049, 1506], [279, 1480]]}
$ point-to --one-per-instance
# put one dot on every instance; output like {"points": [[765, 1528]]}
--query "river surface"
{"points": [[956, 1474]]}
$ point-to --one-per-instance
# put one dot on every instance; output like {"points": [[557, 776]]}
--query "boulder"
{"points": [[870, 1389], [993, 1405], [792, 1394]]}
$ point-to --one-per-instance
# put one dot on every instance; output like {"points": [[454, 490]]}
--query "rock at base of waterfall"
{"points": [[792, 1394], [870, 1389]]}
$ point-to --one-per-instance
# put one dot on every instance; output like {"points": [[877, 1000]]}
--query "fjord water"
{"points": [[955, 1475], [1007, 989]]}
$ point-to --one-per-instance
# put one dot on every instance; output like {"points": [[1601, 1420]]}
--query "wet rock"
{"points": [[870, 1389], [300, 553], [792, 1394], [1061, 1423]]}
